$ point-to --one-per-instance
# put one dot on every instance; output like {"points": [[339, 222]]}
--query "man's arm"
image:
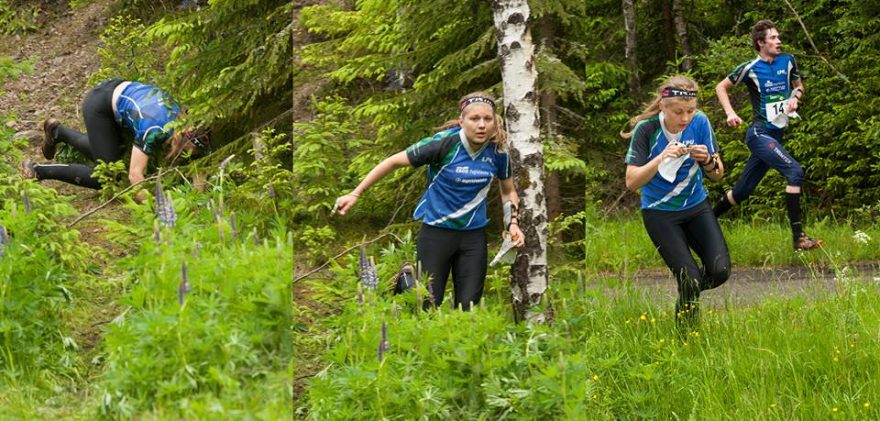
{"points": [[796, 95], [721, 90]]}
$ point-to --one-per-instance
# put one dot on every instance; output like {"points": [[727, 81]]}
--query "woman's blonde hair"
{"points": [[499, 137], [653, 108]]}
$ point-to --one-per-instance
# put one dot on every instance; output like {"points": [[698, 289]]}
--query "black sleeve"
{"points": [[638, 146], [794, 74]]}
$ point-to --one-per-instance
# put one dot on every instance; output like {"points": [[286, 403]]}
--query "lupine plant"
{"points": [[208, 320], [39, 260]]}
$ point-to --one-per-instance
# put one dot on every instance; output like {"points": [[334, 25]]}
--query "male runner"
{"points": [[775, 89]]}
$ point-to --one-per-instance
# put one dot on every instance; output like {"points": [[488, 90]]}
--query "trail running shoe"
{"points": [[806, 243], [49, 141], [26, 169]]}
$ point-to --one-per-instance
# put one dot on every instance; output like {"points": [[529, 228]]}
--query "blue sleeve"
{"points": [[707, 134]]}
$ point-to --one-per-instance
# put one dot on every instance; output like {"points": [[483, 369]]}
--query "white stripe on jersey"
{"points": [[678, 187], [469, 206]]}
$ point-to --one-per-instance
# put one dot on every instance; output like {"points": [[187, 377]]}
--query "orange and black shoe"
{"points": [[806, 243], [49, 141]]}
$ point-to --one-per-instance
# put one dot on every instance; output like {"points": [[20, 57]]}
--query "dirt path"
{"points": [[748, 286], [64, 52]]}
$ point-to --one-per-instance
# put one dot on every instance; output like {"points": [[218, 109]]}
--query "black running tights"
{"points": [[675, 234], [104, 141], [464, 252]]}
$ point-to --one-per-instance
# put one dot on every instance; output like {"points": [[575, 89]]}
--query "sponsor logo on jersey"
{"points": [[471, 180]]}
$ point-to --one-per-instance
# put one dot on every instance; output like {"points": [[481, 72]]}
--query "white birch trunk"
{"points": [[632, 61], [529, 274], [682, 32]]}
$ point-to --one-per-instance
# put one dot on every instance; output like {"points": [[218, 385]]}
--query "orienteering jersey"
{"points": [[686, 190], [146, 110], [458, 179], [769, 85]]}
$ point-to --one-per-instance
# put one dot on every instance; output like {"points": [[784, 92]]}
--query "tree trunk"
{"points": [[681, 29], [548, 120], [669, 30], [632, 61], [529, 275]]}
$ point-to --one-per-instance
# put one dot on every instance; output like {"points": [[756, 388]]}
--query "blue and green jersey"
{"points": [[769, 84], [686, 190], [146, 110], [458, 179]]}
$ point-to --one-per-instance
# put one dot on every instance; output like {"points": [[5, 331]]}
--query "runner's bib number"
{"points": [[775, 110]]}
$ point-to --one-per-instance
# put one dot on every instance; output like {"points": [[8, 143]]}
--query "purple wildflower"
{"points": [[157, 233], [256, 237], [164, 206], [214, 215], [183, 288], [271, 191], [362, 261], [368, 271], [170, 214], [159, 194], [4, 240], [232, 225], [383, 343], [27, 202]]}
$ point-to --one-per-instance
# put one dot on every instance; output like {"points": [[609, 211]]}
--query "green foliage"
{"points": [[265, 185], [126, 53], [207, 325], [227, 62], [37, 266], [321, 156], [227, 59], [113, 177], [611, 354], [16, 17], [10, 69]]}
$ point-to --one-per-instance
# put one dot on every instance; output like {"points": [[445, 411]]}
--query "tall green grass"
{"points": [[610, 354], [620, 244]]}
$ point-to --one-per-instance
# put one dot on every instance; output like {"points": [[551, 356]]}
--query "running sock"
{"points": [[793, 205], [722, 206]]}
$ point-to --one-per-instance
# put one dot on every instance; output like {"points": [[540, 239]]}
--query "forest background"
{"points": [[373, 77]]}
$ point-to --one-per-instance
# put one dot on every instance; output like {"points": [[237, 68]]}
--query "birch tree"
{"points": [[681, 30], [516, 52], [632, 62]]}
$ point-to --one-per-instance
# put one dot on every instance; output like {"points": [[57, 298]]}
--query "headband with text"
{"points": [[476, 99], [668, 92]]}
